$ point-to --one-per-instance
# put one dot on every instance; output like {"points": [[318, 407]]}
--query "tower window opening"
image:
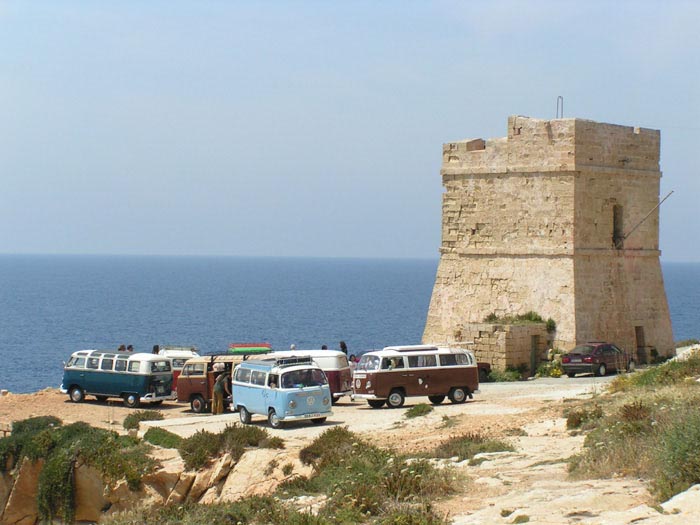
{"points": [[618, 233]]}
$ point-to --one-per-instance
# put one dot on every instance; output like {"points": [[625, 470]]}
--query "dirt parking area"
{"points": [[532, 481]]}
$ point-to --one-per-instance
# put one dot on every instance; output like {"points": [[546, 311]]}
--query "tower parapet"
{"points": [[539, 221]]}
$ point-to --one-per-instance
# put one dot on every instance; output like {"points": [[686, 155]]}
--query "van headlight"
{"points": [[292, 404], [325, 401]]}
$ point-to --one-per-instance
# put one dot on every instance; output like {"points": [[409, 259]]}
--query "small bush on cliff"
{"points": [[668, 373], [466, 446], [345, 466], [62, 448], [199, 448], [162, 438], [421, 409], [132, 421], [651, 432]]}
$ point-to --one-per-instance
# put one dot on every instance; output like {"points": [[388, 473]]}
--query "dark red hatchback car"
{"points": [[597, 358]]}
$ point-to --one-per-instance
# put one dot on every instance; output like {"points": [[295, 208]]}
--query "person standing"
{"points": [[344, 347], [220, 389]]}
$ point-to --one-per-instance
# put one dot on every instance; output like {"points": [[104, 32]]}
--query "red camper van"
{"points": [[390, 375]]}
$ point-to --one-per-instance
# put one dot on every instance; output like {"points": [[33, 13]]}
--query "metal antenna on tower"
{"points": [[560, 104]]}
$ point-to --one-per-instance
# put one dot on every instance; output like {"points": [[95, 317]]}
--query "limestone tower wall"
{"points": [[540, 221]]}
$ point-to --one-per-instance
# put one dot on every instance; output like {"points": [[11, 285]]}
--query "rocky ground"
{"points": [[531, 482]]}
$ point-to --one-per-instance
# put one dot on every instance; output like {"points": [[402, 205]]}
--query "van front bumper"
{"points": [[366, 396], [301, 417], [150, 397], [343, 393]]}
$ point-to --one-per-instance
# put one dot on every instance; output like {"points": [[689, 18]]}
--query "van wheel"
{"points": [[376, 403], [318, 420], [458, 395], [396, 399], [244, 415], [76, 394], [101, 398], [197, 404], [131, 400], [274, 420], [436, 400]]}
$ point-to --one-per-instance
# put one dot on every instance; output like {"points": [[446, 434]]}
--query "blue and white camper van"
{"points": [[135, 378], [284, 389]]}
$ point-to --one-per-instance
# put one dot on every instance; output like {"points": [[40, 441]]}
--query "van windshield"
{"points": [[368, 363], [160, 366], [303, 378]]}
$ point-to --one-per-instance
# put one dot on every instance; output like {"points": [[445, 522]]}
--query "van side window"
{"points": [[134, 366], [420, 361], [273, 381], [194, 369], [257, 378], [391, 363], [120, 365], [448, 360], [93, 362], [463, 359], [243, 375], [107, 364], [160, 366], [77, 362]]}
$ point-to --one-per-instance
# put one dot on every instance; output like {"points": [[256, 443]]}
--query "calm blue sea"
{"points": [[51, 306]]}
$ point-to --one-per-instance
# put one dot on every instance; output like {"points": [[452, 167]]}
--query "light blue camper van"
{"points": [[284, 389], [135, 378]]}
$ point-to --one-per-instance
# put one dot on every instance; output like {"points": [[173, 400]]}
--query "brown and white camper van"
{"points": [[396, 372]]}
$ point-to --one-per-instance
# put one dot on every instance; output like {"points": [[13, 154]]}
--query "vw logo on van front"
{"points": [[310, 400]]}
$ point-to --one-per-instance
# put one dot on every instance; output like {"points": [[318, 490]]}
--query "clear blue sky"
{"points": [[310, 128]]}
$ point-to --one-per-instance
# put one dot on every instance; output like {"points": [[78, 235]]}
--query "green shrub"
{"points": [[162, 438], [131, 422], [550, 326], [466, 446], [668, 373], [421, 409], [345, 466], [336, 442], [576, 417], [199, 448], [508, 375], [61, 448], [678, 458], [258, 510], [411, 514], [550, 369]]}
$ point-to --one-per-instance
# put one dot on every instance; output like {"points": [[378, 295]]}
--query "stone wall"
{"points": [[533, 222], [505, 345]]}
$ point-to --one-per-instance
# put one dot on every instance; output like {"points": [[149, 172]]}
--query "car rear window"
{"points": [[583, 349]]}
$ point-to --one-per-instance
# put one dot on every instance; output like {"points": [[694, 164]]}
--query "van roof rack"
{"points": [[415, 348], [283, 361]]}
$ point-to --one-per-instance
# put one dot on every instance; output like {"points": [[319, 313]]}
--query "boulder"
{"points": [[90, 501], [210, 476], [6, 482], [21, 507], [249, 476], [181, 488]]}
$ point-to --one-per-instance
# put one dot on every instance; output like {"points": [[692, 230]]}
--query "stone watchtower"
{"points": [[544, 220]]}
